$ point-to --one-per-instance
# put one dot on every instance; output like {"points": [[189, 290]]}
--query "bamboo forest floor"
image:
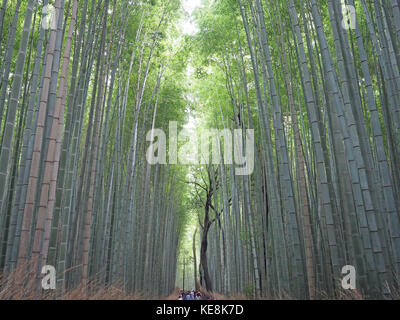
{"points": [[21, 284]]}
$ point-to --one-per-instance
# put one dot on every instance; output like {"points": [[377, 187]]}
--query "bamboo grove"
{"points": [[323, 99], [83, 82], [76, 99]]}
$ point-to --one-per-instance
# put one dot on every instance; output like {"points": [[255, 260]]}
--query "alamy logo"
{"points": [[349, 280], [349, 17], [49, 17], [49, 280], [227, 146]]}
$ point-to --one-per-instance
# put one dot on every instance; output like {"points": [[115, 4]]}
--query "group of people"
{"points": [[190, 295]]}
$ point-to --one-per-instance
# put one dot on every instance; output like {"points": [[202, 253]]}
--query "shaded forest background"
{"points": [[81, 84]]}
